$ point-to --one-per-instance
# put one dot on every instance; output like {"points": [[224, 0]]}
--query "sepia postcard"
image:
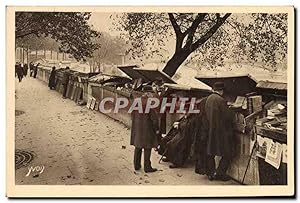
{"points": [[150, 101]]}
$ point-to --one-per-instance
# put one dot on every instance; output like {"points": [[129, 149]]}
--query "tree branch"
{"points": [[179, 35], [192, 29], [210, 32], [238, 31], [174, 24], [21, 35]]}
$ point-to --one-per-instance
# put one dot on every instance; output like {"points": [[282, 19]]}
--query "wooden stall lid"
{"points": [[272, 85], [278, 89], [154, 74], [133, 74], [234, 84], [148, 75]]}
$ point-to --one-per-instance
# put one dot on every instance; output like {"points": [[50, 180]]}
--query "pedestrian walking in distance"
{"points": [[35, 69], [65, 81], [25, 69], [220, 133], [144, 135], [52, 81], [31, 65], [19, 71]]}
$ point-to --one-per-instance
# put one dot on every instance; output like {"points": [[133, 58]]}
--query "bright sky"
{"points": [[102, 22]]}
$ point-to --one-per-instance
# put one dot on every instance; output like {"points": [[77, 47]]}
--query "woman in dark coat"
{"points": [[52, 82], [144, 135], [179, 147]]}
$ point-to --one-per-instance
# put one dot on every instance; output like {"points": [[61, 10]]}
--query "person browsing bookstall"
{"points": [[220, 133]]}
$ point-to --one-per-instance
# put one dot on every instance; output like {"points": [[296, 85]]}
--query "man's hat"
{"points": [[219, 86]]}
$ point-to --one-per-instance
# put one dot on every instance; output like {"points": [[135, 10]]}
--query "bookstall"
{"points": [[271, 134]]}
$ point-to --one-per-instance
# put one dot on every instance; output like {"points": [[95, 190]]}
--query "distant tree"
{"points": [[37, 43], [110, 50], [211, 37], [70, 29]]}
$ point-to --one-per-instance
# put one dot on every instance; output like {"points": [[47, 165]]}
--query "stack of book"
{"points": [[254, 104]]}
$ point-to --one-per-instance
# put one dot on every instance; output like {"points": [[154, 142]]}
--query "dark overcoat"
{"points": [[66, 76], [179, 147], [220, 122], [19, 70], [200, 148], [143, 129], [25, 69], [52, 82], [35, 69]]}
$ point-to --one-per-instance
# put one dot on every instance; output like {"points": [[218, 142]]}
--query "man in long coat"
{"points": [[25, 69], [35, 70], [19, 71], [31, 65], [200, 148], [220, 133], [65, 81], [144, 135]]}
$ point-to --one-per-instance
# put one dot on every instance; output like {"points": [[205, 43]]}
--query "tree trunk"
{"points": [[94, 66], [98, 67], [23, 55], [51, 54], [90, 63], [174, 63], [36, 54], [27, 52]]}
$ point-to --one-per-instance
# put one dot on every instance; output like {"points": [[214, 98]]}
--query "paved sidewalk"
{"points": [[79, 146]]}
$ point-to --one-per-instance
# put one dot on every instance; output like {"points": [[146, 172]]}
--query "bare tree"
{"points": [[210, 36]]}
